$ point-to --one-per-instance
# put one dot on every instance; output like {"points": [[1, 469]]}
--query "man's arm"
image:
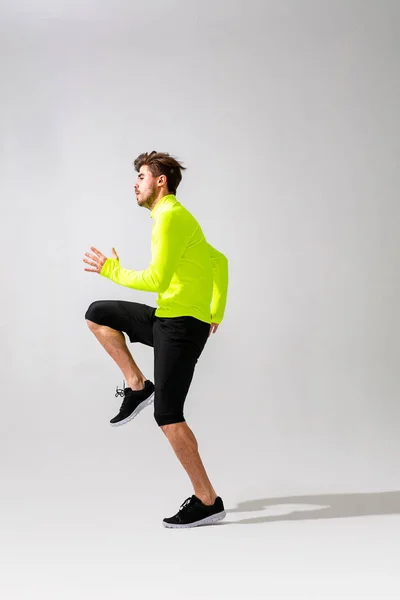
{"points": [[169, 240], [220, 285]]}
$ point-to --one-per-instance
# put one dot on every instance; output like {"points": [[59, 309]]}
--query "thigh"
{"points": [[178, 344], [133, 318]]}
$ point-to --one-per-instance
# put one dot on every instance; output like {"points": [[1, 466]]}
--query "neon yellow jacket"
{"points": [[189, 275]]}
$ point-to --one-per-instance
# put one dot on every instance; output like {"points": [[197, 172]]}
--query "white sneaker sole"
{"points": [[207, 521], [135, 413]]}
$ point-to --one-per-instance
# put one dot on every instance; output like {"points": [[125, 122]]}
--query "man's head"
{"points": [[159, 174]]}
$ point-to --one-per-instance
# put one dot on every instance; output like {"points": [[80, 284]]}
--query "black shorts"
{"points": [[177, 341]]}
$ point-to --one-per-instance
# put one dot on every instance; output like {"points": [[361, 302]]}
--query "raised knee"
{"points": [[93, 314]]}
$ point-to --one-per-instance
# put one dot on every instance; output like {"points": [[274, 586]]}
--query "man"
{"points": [[191, 279]]}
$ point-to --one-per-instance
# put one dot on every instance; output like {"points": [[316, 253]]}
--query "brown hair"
{"points": [[161, 163]]}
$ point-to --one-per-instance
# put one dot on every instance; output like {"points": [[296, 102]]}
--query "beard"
{"points": [[146, 198]]}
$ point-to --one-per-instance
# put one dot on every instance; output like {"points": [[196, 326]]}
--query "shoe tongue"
{"points": [[196, 499]]}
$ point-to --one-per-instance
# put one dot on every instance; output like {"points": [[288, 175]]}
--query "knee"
{"points": [[164, 420], [93, 314], [164, 428], [92, 325]]}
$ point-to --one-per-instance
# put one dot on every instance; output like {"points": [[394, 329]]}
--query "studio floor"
{"points": [[94, 544]]}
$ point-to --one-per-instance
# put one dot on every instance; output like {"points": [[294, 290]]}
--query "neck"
{"points": [[159, 196]]}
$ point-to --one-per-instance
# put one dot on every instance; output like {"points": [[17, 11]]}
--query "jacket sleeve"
{"points": [[168, 243], [220, 284]]}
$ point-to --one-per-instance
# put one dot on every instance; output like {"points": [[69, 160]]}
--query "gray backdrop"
{"points": [[286, 114]]}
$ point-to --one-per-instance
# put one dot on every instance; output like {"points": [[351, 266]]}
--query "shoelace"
{"points": [[183, 508], [120, 392]]}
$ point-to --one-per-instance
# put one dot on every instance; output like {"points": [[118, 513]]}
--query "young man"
{"points": [[191, 279]]}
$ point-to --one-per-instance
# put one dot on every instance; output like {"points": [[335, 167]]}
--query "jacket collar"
{"points": [[169, 198]]}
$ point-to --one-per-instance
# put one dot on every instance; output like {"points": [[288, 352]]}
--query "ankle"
{"points": [[136, 383], [207, 499]]}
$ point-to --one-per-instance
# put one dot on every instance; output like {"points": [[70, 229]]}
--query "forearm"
{"points": [[220, 289], [147, 280]]}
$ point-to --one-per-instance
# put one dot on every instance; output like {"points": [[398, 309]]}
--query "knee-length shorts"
{"points": [[177, 341]]}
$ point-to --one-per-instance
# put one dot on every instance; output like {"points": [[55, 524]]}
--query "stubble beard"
{"points": [[147, 199]]}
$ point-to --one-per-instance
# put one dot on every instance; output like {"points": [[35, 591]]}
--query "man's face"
{"points": [[145, 187]]}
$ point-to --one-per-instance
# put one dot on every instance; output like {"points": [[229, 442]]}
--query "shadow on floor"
{"points": [[324, 506]]}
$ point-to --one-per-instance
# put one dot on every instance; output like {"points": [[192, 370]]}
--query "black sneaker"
{"points": [[134, 402], [193, 513]]}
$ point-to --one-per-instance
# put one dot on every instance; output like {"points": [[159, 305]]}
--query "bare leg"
{"points": [[185, 446], [114, 343]]}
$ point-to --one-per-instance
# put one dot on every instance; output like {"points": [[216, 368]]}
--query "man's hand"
{"points": [[97, 259], [213, 328]]}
